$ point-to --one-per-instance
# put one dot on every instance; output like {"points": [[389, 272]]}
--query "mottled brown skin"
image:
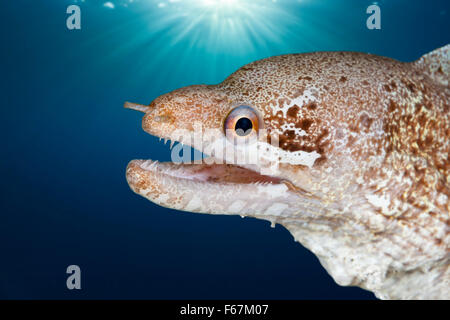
{"points": [[399, 115], [379, 189]]}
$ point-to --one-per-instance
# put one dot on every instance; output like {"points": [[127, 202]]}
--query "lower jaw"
{"points": [[214, 189]]}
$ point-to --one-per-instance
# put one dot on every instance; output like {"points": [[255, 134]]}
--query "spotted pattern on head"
{"points": [[390, 125]]}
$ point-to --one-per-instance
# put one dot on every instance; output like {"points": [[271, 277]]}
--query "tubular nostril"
{"points": [[137, 107]]}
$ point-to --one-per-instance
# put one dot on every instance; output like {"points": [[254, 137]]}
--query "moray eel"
{"points": [[352, 157]]}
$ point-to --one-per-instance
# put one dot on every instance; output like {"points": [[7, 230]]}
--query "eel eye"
{"points": [[242, 121]]}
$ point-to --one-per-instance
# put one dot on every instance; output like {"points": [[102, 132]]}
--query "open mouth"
{"points": [[203, 172], [203, 187], [209, 186]]}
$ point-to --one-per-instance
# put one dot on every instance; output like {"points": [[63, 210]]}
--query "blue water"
{"points": [[66, 141]]}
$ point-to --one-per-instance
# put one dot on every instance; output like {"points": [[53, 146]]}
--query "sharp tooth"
{"points": [[149, 164], [160, 139], [171, 144], [153, 165], [165, 140], [146, 164]]}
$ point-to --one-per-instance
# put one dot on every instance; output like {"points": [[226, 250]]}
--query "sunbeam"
{"points": [[245, 24]]}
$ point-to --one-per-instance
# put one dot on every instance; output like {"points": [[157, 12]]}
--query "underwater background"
{"points": [[66, 141]]}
